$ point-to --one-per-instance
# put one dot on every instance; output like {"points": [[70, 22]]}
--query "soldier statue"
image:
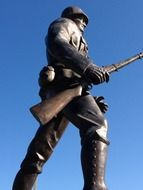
{"points": [[67, 56]]}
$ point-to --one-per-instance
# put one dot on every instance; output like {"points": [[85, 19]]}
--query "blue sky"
{"points": [[114, 33]]}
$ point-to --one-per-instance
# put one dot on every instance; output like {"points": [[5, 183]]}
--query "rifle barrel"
{"points": [[117, 66]]}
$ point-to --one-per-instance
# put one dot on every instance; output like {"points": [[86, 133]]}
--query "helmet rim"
{"points": [[72, 11]]}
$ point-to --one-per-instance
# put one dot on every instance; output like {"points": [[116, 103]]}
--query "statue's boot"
{"points": [[24, 180], [93, 159]]}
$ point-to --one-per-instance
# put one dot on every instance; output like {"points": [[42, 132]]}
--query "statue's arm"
{"points": [[58, 42], [59, 45]]}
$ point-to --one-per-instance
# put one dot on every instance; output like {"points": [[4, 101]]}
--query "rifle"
{"points": [[115, 67], [47, 109]]}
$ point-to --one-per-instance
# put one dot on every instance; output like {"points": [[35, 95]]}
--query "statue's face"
{"points": [[80, 22]]}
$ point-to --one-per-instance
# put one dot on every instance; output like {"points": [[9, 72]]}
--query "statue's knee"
{"points": [[33, 163], [104, 126], [103, 131]]}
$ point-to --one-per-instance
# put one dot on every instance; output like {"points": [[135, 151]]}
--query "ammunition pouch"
{"points": [[56, 78], [46, 76], [50, 74]]}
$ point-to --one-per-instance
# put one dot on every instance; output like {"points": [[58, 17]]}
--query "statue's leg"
{"points": [[39, 151], [84, 113], [93, 159], [24, 180]]}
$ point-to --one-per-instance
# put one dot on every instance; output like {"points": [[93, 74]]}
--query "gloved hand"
{"points": [[100, 102], [95, 74]]}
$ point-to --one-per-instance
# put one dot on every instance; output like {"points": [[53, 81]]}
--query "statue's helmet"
{"points": [[72, 12]]}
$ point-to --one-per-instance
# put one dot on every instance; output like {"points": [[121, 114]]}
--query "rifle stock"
{"points": [[47, 109]]}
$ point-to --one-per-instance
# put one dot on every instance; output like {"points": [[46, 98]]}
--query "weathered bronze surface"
{"points": [[64, 90]]}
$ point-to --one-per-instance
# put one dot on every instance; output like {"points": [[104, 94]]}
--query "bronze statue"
{"points": [[64, 85]]}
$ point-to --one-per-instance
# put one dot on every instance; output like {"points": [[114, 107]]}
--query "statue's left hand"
{"points": [[100, 102]]}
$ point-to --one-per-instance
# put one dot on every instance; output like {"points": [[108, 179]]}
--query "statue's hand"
{"points": [[96, 75], [100, 102]]}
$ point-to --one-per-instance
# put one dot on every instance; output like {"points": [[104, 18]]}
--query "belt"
{"points": [[68, 73]]}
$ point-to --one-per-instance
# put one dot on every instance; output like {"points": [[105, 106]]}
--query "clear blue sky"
{"points": [[115, 32]]}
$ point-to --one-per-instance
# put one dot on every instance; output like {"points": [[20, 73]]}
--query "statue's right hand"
{"points": [[96, 75]]}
